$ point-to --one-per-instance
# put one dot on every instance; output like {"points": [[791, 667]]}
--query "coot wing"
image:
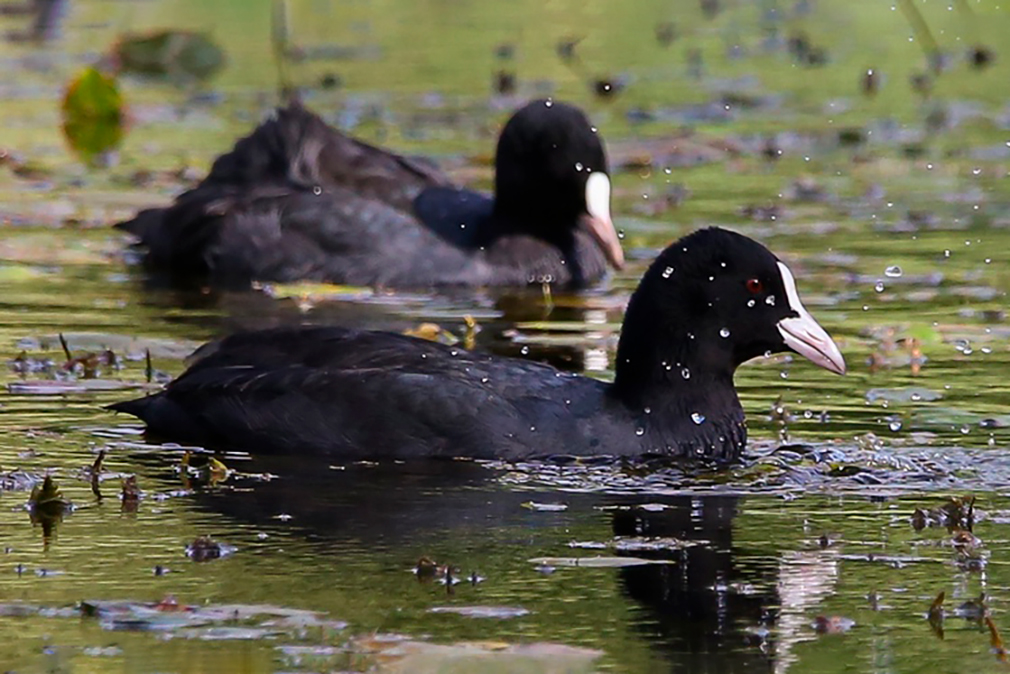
{"points": [[350, 393], [455, 214], [296, 146], [294, 151]]}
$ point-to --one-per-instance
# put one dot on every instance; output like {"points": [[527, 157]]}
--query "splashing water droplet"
{"points": [[648, 410], [697, 417], [894, 271], [620, 234], [525, 350], [770, 300], [751, 303], [965, 429], [879, 287], [484, 380], [685, 373], [724, 333], [317, 190], [578, 166], [784, 374], [667, 272], [639, 431], [895, 426], [533, 429]]}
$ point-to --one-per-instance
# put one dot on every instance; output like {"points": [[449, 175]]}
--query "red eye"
{"points": [[755, 286]]}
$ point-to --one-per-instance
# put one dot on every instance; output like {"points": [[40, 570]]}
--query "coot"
{"points": [[709, 302], [298, 200]]}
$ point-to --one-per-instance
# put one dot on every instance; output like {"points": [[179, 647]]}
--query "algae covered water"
{"points": [[820, 129]]}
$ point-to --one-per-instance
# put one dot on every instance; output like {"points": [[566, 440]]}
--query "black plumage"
{"points": [[298, 200], [708, 303]]}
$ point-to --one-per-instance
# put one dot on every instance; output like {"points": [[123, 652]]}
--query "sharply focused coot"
{"points": [[708, 303], [298, 200]]}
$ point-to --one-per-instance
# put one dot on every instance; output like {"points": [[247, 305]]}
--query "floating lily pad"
{"points": [[226, 633], [545, 507], [482, 611], [18, 610], [568, 326], [177, 55], [596, 562], [93, 114], [316, 292], [45, 387], [652, 544], [421, 657], [903, 395], [19, 480], [945, 418], [170, 615]]}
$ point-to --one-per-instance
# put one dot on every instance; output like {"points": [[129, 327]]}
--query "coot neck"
{"points": [[530, 198], [553, 226], [530, 213], [676, 379]]}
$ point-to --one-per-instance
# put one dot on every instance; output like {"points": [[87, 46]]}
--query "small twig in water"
{"points": [[66, 348]]}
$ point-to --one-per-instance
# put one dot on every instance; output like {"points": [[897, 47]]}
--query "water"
{"points": [[815, 530]]}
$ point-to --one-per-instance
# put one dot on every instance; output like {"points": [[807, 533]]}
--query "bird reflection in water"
{"points": [[712, 606]]}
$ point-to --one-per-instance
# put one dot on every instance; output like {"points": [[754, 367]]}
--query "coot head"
{"points": [[709, 302], [551, 175]]}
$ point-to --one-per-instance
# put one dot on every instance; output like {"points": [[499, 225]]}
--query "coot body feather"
{"points": [[708, 303], [298, 200]]}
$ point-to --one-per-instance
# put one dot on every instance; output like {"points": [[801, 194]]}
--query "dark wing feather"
{"points": [[456, 215], [297, 147], [340, 237], [349, 393], [293, 153]]}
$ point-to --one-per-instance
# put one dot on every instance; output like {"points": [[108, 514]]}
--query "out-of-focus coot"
{"points": [[708, 303], [298, 200]]}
